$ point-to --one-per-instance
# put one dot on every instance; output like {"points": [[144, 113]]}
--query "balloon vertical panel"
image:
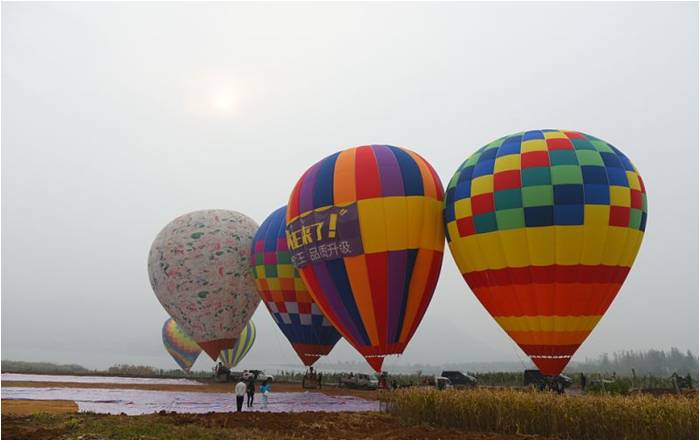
{"points": [[364, 227], [179, 345], [544, 226], [232, 356]]}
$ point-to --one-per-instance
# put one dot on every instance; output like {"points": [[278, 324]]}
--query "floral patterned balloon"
{"points": [[199, 269]]}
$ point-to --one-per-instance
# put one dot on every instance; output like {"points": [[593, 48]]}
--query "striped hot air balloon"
{"points": [[231, 357], [179, 345], [364, 227], [285, 295], [544, 226]]}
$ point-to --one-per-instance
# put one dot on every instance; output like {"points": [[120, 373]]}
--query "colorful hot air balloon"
{"points": [[200, 271], [178, 344], [231, 357], [285, 295], [364, 227], [545, 225]]}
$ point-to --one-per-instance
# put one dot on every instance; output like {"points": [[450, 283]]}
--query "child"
{"points": [[265, 391]]}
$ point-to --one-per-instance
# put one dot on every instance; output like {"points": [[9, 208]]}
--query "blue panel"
{"points": [[323, 186], [539, 216], [336, 269], [568, 194], [593, 174], [610, 159], [568, 214], [598, 194], [617, 176], [484, 168], [533, 134]]}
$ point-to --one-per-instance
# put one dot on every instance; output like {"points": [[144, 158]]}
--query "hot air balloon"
{"points": [[285, 295], [544, 226], [200, 271], [179, 345], [231, 357], [364, 227]]}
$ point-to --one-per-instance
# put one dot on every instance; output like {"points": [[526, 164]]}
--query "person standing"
{"points": [[251, 392], [240, 394], [265, 391]]}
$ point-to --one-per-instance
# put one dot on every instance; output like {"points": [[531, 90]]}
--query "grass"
{"points": [[550, 415]]}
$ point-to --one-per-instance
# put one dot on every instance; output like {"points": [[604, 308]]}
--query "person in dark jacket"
{"points": [[251, 392]]}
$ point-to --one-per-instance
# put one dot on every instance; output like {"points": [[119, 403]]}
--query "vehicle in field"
{"points": [[443, 383], [460, 379], [535, 378], [358, 381]]}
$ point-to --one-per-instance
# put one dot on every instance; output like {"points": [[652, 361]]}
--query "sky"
{"points": [[119, 117]]}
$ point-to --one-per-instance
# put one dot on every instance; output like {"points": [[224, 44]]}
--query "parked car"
{"points": [[358, 381], [460, 379], [535, 377]]}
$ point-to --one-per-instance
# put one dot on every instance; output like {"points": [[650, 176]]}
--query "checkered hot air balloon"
{"points": [[544, 226], [364, 227], [231, 357], [285, 295], [179, 345]]}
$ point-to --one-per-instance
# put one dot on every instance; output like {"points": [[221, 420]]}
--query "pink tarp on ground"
{"points": [[95, 379], [137, 402]]}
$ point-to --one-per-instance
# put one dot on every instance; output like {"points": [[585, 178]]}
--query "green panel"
{"points": [[270, 270], [259, 258], [602, 146], [284, 257], [535, 176], [472, 160], [589, 157], [537, 196], [644, 202], [483, 223], [635, 218], [562, 157], [506, 199], [566, 174], [582, 144], [509, 219]]}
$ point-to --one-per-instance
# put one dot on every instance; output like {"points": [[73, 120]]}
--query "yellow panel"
{"points": [[533, 145], [615, 245], [453, 231], [460, 257], [598, 215], [634, 241], [463, 208], [472, 250], [482, 184], [415, 220], [490, 247], [620, 196], [548, 323], [260, 271], [299, 284], [568, 244], [438, 239], [428, 233], [285, 270], [372, 224], [633, 180], [515, 247], [274, 284], [507, 162], [395, 209], [541, 244], [594, 237], [554, 135]]}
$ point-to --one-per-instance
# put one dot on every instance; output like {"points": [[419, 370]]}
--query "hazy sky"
{"points": [[117, 118]]}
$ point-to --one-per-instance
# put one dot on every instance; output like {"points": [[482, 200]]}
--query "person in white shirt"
{"points": [[240, 390]]}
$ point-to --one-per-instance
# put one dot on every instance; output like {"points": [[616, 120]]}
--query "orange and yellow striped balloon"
{"points": [[544, 226]]}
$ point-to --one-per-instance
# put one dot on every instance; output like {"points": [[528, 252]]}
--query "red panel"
{"points": [[465, 226], [636, 198], [431, 283], [534, 159], [559, 144], [574, 135], [367, 178], [619, 216], [506, 180], [482, 203]]}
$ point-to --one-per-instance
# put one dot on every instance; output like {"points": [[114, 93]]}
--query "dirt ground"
{"points": [[206, 387], [29, 407], [307, 425]]}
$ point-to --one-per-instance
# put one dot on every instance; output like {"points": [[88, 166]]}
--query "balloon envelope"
{"points": [[231, 357], [285, 295], [364, 226], [544, 226], [180, 345], [200, 271]]}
